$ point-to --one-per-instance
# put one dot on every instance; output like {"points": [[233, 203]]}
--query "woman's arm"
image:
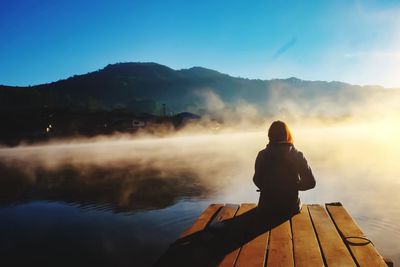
{"points": [[307, 180], [257, 179]]}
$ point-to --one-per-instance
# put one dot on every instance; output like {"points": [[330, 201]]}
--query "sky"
{"points": [[351, 41]]}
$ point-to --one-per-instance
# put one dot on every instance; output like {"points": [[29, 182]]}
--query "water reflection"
{"points": [[119, 189], [43, 233]]}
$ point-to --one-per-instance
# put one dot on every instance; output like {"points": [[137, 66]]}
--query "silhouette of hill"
{"points": [[144, 87]]}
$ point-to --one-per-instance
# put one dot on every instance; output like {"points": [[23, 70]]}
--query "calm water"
{"points": [[120, 202]]}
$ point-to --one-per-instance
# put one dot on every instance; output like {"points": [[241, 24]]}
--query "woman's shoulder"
{"points": [[298, 156], [296, 153], [263, 152], [294, 150]]}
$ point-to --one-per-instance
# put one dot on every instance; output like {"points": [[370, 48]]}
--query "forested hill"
{"points": [[144, 87]]}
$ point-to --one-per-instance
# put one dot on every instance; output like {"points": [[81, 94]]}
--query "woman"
{"points": [[280, 172]]}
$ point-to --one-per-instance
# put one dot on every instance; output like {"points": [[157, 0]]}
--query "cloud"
{"points": [[284, 48]]}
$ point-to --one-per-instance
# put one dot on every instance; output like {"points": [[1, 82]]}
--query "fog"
{"points": [[355, 161]]}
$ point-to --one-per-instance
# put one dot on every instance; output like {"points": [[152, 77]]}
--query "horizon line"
{"points": [[180, 69]]}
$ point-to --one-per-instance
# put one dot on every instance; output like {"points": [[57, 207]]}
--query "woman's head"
{"points": [[279, 133]]}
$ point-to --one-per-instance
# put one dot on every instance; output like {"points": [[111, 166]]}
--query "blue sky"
{"points": [[351, 41]]}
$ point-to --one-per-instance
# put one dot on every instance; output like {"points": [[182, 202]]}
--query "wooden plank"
{"points": [[332, 246], [186, 248], [203, 220], [227, 212], [317, 240], [363, 251], [230, 259], [305, 243], [253, 253], [280, 248]]}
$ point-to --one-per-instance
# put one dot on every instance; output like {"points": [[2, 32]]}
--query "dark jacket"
{"points": [[280, 172]]}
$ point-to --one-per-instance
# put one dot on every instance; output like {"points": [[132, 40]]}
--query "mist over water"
{"points": [[175, 176], [354, 164]]}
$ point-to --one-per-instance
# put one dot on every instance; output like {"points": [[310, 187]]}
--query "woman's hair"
{"points": [[279, 133]]}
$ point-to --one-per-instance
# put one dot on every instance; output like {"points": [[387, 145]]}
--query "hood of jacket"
{"points": [[279, 133]]}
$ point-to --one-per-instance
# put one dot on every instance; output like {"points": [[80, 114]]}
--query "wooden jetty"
{"points": [[227, 235]]}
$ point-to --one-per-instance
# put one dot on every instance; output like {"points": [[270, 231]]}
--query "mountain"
{"points": [[145, 87]]}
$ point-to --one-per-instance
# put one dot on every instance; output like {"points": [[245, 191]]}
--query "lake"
{"points": [[120, 201]]}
